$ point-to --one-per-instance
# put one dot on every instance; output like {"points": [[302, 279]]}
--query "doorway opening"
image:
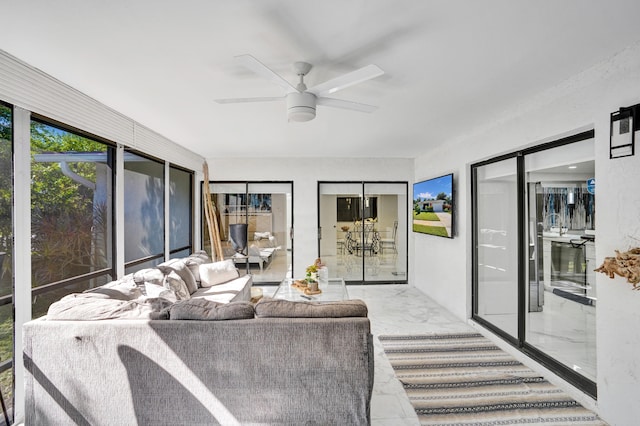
{"points": [[362, 231], [266, 208]]}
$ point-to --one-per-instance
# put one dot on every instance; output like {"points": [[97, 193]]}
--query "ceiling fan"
{"points": [[301, 102]]}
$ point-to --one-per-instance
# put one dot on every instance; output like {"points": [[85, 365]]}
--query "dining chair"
{"points": [[390, 243]]}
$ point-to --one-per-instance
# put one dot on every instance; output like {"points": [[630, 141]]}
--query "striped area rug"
{"points": [[464, 379]]}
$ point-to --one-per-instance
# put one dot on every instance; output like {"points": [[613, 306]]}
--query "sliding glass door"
{"points": [[362, 235], [266, 208], [497, 245], [560, 319], [533, 233]]}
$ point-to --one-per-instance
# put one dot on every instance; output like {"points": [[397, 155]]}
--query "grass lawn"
{"points": [[426, 216], [433, 230]]}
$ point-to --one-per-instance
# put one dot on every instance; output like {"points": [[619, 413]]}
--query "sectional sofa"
{"points": [[164, 358]]}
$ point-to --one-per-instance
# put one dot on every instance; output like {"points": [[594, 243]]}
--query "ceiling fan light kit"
{"points": [[301, 102], [301, 106]]}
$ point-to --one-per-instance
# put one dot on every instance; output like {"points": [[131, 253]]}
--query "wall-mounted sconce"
{"points": [[624, 125]]}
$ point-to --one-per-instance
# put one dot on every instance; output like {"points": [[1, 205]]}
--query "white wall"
{"points": [[305, 174], [583, 101]]}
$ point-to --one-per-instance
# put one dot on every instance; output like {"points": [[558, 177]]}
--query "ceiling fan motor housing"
{"points": [[301, 106]]}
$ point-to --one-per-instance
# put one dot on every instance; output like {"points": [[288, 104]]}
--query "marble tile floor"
{"points": [[397, 309], [382, 267], [564, 329], [403, 309]]}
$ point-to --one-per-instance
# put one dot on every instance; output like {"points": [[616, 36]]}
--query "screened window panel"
{"points": [[42, 300], [180, 208], [71, 198], [143, 207], [6, 254]]}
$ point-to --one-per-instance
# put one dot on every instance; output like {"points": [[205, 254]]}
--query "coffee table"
{"points": [[332, 290]]}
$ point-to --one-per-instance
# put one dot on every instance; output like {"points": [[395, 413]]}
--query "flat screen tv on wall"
{"points": [[433, 206]]}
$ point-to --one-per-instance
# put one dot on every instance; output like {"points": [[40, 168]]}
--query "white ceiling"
{"points": [[449, 65]]}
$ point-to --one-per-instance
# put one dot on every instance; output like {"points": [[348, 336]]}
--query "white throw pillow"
{"points": [[181, 268], [172, 281], [149, 275], [154, 290], [217, 273], [193, 263]]}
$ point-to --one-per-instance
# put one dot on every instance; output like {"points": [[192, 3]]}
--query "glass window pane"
{"points": [[180, 254], [341, 214], [386, 240], [6, 251], [42, 301], [266, 209], [148, 264], [143, 207], [180, 208], [497, 244], [6, 352], [71, 213], [229, 200], [562, 293], [269, 219]]}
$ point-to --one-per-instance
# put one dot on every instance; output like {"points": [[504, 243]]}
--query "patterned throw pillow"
{"points": [[173, 282], [180, 267], [149, 275]]}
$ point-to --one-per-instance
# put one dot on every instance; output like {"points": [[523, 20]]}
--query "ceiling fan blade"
{"points": [[262, 70], [339, 103], [346, 80], [242, 100]]}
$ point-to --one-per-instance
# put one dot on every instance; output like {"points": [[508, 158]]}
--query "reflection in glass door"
{"points": [[496, 234], [340, 209], [363, 230], [389, 263], [562, 296], [267, 210], [270, 224]]}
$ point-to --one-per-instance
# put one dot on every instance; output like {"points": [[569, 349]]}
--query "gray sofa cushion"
{"points": [[89, 307], [278, 308], [202, 309]]}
